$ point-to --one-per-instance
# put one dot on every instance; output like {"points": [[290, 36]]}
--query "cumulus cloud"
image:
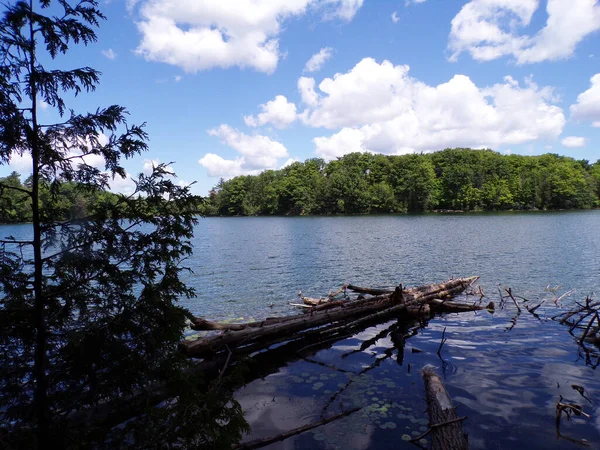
{"points": [[21, 163], [489, 29], [257, 152], [289, 162], [110, 54], [202, 35], [596, 124], [395, 17], [378, 107], [317, 60], [588, 103], [120, 185], [338, 9], [573, 142], [278, 112], [306, 87]]}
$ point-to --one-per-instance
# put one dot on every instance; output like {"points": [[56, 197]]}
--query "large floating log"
{"points": [[257, 335], [444, 424]]}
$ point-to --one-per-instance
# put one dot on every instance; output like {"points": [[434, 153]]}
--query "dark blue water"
{"points": [[506, 375]]}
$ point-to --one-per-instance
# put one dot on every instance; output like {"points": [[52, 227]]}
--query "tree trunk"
{"points": [[40, 393]]}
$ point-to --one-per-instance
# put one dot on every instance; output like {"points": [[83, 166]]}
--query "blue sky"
{"points": [[230, 87]]}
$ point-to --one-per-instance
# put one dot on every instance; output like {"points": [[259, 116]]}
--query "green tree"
{"points": [[414, 181], [88, 307], [15, 202]]}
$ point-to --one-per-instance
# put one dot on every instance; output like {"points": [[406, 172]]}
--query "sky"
{"points": [[233, 87]]}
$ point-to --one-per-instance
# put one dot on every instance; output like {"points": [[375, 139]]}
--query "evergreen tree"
{"points": [[88, 306]]}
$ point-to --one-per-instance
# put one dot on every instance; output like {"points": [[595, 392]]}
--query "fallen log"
{"points": [[258, 335], [449, 306], [371, 291], [444, 424]]}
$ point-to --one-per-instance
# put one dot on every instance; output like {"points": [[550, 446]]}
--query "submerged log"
{"points": [[256, 335], [444, 424]]}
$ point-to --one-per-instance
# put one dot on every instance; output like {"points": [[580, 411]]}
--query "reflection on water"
{"points": [[507, 383], [507, 378]]}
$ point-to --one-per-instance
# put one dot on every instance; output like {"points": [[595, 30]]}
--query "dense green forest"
{"points": [[452, 179], [360, 183], [65, 200], [68, 200]]}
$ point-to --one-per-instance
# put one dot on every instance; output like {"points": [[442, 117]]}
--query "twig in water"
{"points": [[589, 325], [581, 391], [437, 425], [510, 294], [568, 409], [442, 342]]}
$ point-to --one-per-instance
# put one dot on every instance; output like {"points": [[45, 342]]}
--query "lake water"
{"points": [[506, 377]]}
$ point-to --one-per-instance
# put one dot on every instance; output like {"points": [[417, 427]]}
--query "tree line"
{"points": [[68, 201], [452, 179], [65, 200]]}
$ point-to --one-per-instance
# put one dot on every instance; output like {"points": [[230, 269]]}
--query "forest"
{"points": [[453, 179], [362, 183]]}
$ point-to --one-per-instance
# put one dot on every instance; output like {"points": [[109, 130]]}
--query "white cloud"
{"points": [[202, 35], [573, 142], [489, 29], [110, 54], [338, 9], [596, 124], [588, 102], [408, 2], [395, 17], [131, 4], [43, 105], [317, 60], [217, 166], [257, 152], [380, 108], [78, 152], [122, 185], [306, 87], [348, 140], [178, 78], [289, 162], [21, 163], [278, 112]]}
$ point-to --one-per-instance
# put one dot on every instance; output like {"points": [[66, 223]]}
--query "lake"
{"points": [[506, 376]]}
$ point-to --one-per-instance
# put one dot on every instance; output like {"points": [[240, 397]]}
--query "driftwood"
{"points": [[444, 424], [371, 291], [327, 320], [584, 324], [318, 301]]}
